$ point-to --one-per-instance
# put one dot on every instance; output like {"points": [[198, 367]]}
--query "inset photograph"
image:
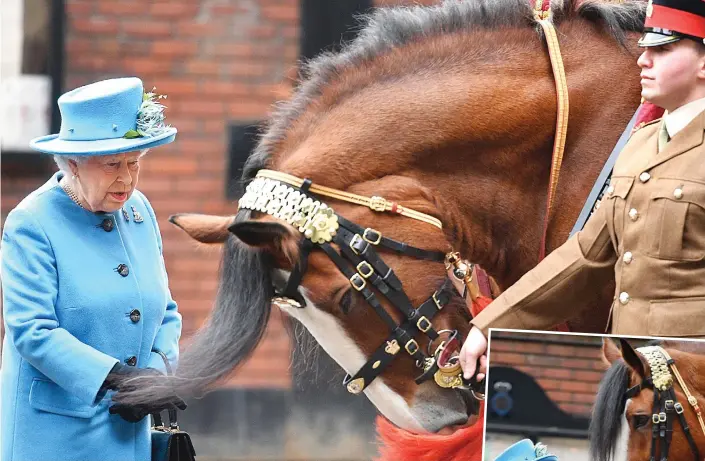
{"points": [[561, 396]]}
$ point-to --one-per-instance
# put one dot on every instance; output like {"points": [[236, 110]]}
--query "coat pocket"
{"points": [[675, 221], [677, 317], [50, 397], [615, 200]]}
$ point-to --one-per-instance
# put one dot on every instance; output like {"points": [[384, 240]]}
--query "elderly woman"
{"points": [[86, 300]]}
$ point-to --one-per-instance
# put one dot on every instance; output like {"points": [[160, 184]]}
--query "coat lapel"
{"points": [[690, 137]]}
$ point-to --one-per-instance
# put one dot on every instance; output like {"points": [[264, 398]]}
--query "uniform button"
{"points": [[123, 270], [624, 297], [107, 225], [131, 361], [135, 315], [644, 177], [633, 214], [610, 190], [628, 257], [678, 193]]}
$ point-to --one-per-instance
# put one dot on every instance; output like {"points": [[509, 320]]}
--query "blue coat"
{"points": [[70, 315]]}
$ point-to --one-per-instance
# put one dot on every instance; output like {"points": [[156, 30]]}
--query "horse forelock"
{"points": [[606, 421], [392, 27]]}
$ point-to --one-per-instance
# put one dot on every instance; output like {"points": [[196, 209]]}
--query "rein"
{"points": [[666, 404], [294, 200], [542, 11]]}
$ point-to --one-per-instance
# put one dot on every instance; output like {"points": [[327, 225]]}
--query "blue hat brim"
{"points": [[51, 144]]}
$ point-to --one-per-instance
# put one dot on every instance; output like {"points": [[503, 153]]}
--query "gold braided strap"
{"points": [[378, 204], [554, 53]]}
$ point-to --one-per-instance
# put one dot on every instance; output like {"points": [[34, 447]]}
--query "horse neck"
{"points": [[495, 193], [477, 133]]}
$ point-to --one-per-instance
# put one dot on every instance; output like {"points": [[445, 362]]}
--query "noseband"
{"points": [[293, 200], [666, 404]]}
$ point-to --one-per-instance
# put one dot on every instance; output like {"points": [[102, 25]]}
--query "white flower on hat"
{"points": [[150, 118], [541, 450]]}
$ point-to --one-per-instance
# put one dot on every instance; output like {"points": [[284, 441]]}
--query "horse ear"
{"points": [[634, 360], [610, 352], [272, 236], [202, 227]]}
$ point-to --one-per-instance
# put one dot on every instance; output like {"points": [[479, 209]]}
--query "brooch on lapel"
{"points": [[125, 215], [136, 214]]}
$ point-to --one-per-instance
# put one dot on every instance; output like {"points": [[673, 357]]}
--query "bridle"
{"points": [[293, 200], [666, 404]]}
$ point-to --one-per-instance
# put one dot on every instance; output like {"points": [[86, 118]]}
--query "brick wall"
{"points": [[218, 61], [569, 373]]}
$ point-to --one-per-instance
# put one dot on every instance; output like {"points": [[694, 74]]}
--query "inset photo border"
{"points": [[569, 396]]}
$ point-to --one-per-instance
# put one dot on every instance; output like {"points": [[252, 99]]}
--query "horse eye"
{"points": [[346, 302], [640, 421]]}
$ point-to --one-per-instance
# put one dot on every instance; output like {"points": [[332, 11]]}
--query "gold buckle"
{"points": [[357, 282], [412, 347], [365, 269], [435, 300], [373, 241], [427, 324]]}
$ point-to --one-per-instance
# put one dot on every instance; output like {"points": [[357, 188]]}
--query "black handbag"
{"points": [[169, 443]]}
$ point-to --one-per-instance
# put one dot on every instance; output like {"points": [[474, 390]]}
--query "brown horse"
{"points": [[622, 426], [449, 111]]}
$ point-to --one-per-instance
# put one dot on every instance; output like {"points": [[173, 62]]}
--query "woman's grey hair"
{"points": [[62, 161]]}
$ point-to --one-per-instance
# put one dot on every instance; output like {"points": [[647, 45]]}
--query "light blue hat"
{"points": [[524, 450], [107, 117]]}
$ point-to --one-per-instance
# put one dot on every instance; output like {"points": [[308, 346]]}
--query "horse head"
{"points": [[644, 400]]}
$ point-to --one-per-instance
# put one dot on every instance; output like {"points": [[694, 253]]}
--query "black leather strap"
{"points": [[428, 309], [399, 247]]}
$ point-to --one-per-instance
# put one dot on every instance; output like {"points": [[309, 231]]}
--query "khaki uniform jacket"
{"points": [[648, 233]]}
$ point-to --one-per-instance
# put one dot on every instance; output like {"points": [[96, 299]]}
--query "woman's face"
{"points": [[105, 182]]}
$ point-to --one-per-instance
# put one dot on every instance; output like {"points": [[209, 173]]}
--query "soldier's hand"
{"points": [[474, 349]]}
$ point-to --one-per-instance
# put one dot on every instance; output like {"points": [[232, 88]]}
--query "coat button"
{"points": [[628, 257], [644, 177], [624, 297], [131, 361], [633, 214], [610, 190], [135, 315], [678, 193], [107, 224], [123, 270]]}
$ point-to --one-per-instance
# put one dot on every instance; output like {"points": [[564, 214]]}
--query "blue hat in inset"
{"points": [[524, 450], [107, 117]]}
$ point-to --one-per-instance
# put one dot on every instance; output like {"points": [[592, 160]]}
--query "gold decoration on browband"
{"points": [[312, 218], [378, 204], [658, 360], [660, 374]]}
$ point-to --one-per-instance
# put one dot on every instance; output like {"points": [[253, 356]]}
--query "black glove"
{"points": [[124, 378], [135, 413]]}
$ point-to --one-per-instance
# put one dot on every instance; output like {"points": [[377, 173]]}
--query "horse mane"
{"points": [[393, 27]]}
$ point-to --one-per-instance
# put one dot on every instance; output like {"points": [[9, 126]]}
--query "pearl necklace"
{"points": [[69, 191]]}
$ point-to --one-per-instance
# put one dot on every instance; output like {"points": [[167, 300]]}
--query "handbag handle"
{"points": [[173, 422]]}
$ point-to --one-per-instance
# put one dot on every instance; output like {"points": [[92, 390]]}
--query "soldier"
{"points": [[649, 231]]}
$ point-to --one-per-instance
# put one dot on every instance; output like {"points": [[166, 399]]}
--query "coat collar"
{"points": [[691, 136]]}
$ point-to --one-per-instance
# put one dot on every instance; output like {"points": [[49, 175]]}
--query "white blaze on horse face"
{"points": [[621, 447], [335, 341]]}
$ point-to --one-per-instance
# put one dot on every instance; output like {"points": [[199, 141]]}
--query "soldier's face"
{"points": [[673, 74]]}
